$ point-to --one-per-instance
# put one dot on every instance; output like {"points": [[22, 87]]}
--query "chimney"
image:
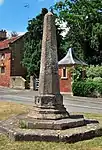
{"points": [[2, 35]]}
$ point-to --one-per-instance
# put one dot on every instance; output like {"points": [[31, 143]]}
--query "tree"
{"points": [[33, 41], [84, 20]]}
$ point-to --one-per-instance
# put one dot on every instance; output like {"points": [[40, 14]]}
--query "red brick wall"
{"points": [[5, 77], [65, 83], [12, 62]]}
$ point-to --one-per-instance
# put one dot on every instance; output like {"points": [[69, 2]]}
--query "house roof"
{"points": [[5, 43], [71, 59]]}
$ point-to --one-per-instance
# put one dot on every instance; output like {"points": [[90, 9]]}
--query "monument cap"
{"points": [[49, 14]]}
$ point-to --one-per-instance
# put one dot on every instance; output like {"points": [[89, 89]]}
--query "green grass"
{"points": [[6, 144], [9, 109]]}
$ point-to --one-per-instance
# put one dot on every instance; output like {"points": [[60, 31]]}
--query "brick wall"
{"points": [[17, 51], [65, 83], [5, 77]]}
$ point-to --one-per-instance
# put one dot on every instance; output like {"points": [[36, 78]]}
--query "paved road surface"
{"points": [[72, 104]]}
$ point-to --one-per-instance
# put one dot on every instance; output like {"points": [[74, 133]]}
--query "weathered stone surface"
{"points": [[60, 124], [11, 129], [49, 102], [49, 136], [49, 79], [48, 114]]}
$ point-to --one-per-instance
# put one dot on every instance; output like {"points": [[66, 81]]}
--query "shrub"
{"points": [[91, 72], [94, 71], [91, 85], [87, 89], [97, 79], [99, 88], [77, 73]]}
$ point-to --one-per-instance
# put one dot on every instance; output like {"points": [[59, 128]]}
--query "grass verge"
{"points": [[8, 109]]}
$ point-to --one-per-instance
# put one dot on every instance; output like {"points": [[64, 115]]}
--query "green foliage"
{"points": [[84, 20], [97, 79], [92, 83], [87, 89], [77, 73], [32, 45], [94, 71], [23, 124], [33, 41]]}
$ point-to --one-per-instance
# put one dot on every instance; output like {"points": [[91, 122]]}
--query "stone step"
{"points": [[68, 135], [53, 124], [90, 129]]}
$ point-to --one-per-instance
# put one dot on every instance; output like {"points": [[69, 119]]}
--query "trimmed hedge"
{"points": [[87, 89]]}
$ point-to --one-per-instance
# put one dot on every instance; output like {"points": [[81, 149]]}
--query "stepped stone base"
{"points": [[77, 129], [61, 124], [53, 113], [48, 107]]}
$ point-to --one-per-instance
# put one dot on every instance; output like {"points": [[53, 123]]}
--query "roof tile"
{"points": [[5, 43]]}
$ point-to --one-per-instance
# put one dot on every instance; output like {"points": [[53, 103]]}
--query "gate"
{"points": [[36, 84]]}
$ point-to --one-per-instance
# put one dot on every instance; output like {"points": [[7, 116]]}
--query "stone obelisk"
{"points": [[46, 119], [49, 102]]}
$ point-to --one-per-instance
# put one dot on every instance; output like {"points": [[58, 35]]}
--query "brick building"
{"points": [[65, 74], [65, 80], [10, 58]]}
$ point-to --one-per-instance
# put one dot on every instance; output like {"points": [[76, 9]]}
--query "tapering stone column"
{"points": [[49, 79], [49, 103]]}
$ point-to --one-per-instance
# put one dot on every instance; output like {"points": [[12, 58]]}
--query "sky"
{"points": [[14, 14]]}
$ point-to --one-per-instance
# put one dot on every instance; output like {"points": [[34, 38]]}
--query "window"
{"points": [[64, 72], [2, 56], [2, 69]]}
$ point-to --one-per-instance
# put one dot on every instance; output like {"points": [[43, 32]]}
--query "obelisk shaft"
{"points": [[49, 78], [48, 104]]}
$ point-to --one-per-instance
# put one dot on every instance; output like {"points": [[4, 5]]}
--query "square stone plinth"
{"points": [[48, 107], [48, 100]]}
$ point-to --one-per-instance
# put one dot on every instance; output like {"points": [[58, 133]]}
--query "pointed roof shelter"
{"points": [[70, 59]]}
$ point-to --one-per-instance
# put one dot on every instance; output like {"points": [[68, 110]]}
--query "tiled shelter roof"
{"points": [[71, 59]]}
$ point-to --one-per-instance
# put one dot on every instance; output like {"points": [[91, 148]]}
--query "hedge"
{"points": [[87, 89]]}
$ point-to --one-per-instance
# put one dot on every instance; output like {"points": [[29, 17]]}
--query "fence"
{"points": [[36, 84]]}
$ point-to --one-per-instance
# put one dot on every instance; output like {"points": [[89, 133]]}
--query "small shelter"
{"points": [[65, 73]]}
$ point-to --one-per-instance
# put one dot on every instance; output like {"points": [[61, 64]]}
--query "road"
{"points": [[72, 104]]}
